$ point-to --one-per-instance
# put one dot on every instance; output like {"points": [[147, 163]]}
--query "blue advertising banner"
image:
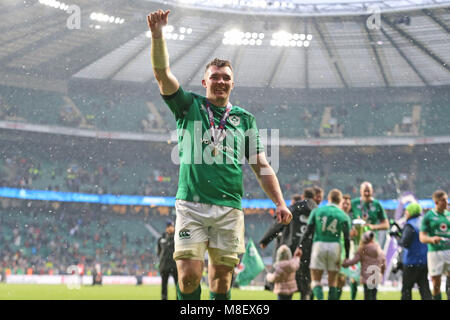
{"points": [[147, 200]]}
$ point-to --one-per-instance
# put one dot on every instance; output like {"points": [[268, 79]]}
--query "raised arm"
{"points": [[269, 183], [167, 82]]}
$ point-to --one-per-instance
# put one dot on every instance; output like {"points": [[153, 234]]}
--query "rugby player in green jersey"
{"points": [[213, 138], [327, 223], [434, 231], [346, 206], [369, 209]]}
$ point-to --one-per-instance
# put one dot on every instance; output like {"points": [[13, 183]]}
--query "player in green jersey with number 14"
{"points": [[328, 224], [213, 138]]}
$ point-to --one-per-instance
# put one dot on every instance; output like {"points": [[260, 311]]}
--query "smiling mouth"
{"points": [[220, 91]]}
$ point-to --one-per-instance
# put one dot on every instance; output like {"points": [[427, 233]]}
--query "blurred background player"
{"points": [[434, 231], [346, 206], [208, 201], [373, 263], [369, 209], [167, 266], [284, 274], [327, 223], [415, 269]]}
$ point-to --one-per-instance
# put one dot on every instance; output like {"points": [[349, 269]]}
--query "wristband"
{"points": [[159, 53]]}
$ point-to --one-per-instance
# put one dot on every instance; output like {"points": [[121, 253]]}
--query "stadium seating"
{"points": [[138, 114], [71, 235]]}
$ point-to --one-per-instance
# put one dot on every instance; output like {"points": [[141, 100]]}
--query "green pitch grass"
{"points": [[144, 292]]}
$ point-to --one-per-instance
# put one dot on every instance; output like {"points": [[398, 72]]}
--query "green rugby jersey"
{"points": [[330, 222], [201, 178], [371, 212], [437, 224]]}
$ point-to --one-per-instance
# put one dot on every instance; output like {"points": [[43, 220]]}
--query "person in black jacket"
{"points": [[281, 233], [167, 265], [292, 233], [298, 225], [278, 231]]}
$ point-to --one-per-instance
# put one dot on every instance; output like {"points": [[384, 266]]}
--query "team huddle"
{"points": [[209, 214]]}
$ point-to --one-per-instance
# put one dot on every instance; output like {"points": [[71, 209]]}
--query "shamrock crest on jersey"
{"points": [[234, 120]]}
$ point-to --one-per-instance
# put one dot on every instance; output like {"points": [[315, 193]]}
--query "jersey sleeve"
{"points": [[253, 145], [179, 102], [425, 226], [381, 213], [355, 212], [312, 217], [349, 222]]}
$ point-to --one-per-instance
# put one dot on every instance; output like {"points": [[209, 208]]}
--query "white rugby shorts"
{"points": [[438, 262], [220, 227], [325, 256]]}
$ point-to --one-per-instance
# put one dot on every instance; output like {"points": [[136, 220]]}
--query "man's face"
{"points": [[366, 191], [170, 229], [318, 197], [442, 203], [346, 205], [218, 83]]}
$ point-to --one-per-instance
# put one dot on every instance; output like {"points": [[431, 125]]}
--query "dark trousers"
{"points": [[164, 281], [412, 275], [370, 294], [303, 278], [285, 297]]}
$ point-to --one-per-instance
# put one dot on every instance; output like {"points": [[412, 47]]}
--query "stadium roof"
{"points": [[400, 49], [305, 7]]}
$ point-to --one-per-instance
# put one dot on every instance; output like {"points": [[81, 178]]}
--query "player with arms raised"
{"points": [[208, 205]]}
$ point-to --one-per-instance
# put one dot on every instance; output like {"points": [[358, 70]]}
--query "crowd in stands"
{"points": [[41, 237], [144, 173], [138, 113], [47, 238]]}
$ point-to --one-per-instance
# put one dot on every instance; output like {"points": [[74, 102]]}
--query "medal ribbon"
{"points": [[220, 128], [363, 208]]}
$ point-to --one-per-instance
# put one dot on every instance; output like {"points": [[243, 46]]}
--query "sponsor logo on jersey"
{"points": [[221, 147], [443, 227], [185, 234], [365, 216]]}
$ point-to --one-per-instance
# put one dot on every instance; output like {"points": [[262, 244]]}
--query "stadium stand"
{"points": [[137, 114], [50, 237]]}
